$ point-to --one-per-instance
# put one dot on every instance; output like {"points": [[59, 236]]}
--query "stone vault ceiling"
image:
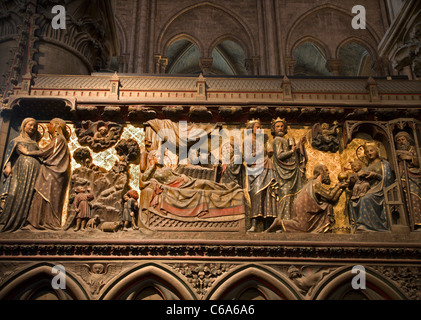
{"points": [[228, 58]]}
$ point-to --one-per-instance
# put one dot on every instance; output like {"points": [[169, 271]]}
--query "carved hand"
{"points": [[23, 149], [343, 185], [404, 156], [7, 169]]}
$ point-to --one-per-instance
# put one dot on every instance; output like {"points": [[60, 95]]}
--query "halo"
{"points": [[69, 130], [358, 156], [40, 127]]}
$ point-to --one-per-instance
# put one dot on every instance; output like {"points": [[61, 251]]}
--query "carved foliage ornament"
{"points": [[202, 276]]}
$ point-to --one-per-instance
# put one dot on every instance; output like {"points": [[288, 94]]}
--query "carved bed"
{"points": [[164, 221]]}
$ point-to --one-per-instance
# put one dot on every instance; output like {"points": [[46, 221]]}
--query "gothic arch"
{"points": [[161, 44], [316, 42], [311, 57], [234, 53], [28, 282], [276, 285], [9, 27], [188, 53], [376, 131], [149, 275], [377, 286], [375, 66], [289, 40], [229, 37], [183, 36], [122, 36], [352, 39]]}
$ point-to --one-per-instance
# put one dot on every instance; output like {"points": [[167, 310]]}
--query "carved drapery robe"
{"points": [[289, 167], [413, 172], [262, 186], [81, 203], [51, 185], [183, 196], [312, 209], [369, 211], [20, 184]]}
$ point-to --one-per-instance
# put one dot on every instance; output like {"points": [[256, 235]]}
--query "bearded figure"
{"points": [[410, 173], [313, 207]]}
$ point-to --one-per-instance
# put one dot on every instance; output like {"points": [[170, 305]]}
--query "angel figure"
{"points": [[104, 135], [97, 275], [325, 138], [98, 135], [305, 280]]}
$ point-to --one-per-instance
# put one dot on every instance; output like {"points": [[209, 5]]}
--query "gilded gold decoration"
{"points": [[337, 163], [104, 159]]}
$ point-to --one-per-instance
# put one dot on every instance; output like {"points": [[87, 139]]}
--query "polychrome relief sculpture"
{"points": [[98, 135], [325, 137], [368, 212], [262, 184], [108, 186], [289, 162], [20, 172], [129, 216], [82, 206], [313, 208], [259, 184], [410, 172], [52, 180], [179, 196]]}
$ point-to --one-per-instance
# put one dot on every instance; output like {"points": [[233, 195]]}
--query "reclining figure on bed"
{"points": [[184, 196]]}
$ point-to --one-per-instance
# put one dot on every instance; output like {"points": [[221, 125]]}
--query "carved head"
{"points": [[253, 125], [132, 194], [356, 165], [103, 130], [371, 151], [156, 156], [279, 127], [294, 272], [58, 126], [80, 189], [98, 268], [325, 126], [403, 140], [29, 127], [323, 171]]}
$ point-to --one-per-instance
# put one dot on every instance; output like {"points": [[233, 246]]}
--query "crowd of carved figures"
{"points": [[267, 184]]}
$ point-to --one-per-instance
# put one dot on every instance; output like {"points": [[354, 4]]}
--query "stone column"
{"points": [[250, 66], [270, 33], [256, 65], [142, 36], [163, 62], [290, 65], [156, 59]]}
